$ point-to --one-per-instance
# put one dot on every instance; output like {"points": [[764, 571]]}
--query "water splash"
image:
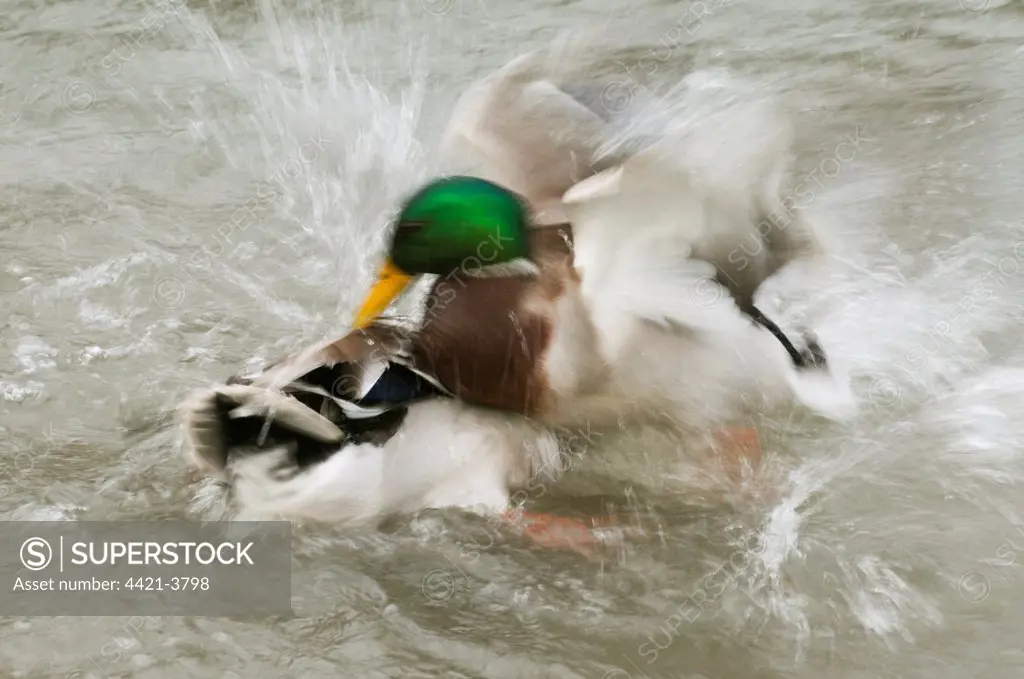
{"points": [[334, 154]]}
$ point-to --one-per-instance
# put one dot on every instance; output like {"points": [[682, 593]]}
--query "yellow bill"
{"points": [[391, 281]]}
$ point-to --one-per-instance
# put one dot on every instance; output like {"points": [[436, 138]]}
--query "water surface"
{"points": [[133, 133]]}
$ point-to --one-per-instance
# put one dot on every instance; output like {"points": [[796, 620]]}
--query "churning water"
{"points": [[188, 187]]}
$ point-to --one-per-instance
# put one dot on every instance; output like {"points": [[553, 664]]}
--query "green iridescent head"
{"points": [[452, 224], [455, 219]]}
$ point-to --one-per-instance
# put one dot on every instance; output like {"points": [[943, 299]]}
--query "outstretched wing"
{"points": [[349, 390], [361, 375], [635, 228], [518, 128]]}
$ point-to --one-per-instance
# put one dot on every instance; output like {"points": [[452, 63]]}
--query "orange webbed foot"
{"points": [[566, 533], [737, 447]]}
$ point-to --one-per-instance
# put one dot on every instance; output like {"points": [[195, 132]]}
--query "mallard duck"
{"points": [[582, 324], [448, 411]]}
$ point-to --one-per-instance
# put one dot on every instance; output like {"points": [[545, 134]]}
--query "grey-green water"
{"points": [[131, 135]]}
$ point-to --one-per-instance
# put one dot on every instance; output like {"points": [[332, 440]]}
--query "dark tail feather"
{"points": [[813, 356], [221, 420]]}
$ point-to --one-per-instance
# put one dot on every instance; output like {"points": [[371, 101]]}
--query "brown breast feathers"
{"points": [[485, 338], [482, 345]]}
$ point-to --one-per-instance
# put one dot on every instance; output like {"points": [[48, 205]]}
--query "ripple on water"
{"points": [[34, 354]]}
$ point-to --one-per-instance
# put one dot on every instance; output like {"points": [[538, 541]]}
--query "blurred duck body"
{"points": [[573, 293]]}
